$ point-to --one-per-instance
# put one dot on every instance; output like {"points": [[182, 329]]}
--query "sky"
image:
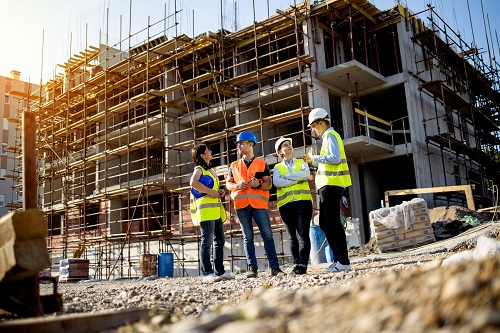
{"points": [[58, 29]]}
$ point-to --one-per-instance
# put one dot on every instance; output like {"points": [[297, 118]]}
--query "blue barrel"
{"points": [[329, 254], [318, 244], [165, 264]]}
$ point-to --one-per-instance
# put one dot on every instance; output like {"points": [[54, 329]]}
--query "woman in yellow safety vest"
{"points": [[291, 178], [205, 205]]}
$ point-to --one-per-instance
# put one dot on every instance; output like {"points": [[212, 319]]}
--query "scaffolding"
{"points": [[464, 122], [115, 131], [115, 128]]}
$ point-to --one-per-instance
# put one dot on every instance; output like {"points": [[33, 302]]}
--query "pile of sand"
{"points": [[452, 213]]}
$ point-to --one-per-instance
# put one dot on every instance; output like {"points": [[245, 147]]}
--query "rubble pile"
{"points": [[409, 291]]}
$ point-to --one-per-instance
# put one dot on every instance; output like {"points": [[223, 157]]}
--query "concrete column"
{"points": [[347, 116], [319, 97], [405, 52]]}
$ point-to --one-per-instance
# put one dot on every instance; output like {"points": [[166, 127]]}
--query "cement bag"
{"points": [[398, 217]]}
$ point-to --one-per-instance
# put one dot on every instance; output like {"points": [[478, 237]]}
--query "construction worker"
{"points": [[291, 178], [332, 177], [249, 181], [206, 212]]}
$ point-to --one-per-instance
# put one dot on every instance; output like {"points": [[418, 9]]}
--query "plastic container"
{"points": [[329, 254], [318, 244], [166, 264]]}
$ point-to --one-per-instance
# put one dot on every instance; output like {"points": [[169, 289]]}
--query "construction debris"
{"points": [[23, 253]]}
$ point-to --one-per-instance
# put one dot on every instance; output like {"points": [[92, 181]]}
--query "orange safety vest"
{"points": [[255, 197]]}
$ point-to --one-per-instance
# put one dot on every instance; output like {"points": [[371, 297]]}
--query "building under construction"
{"points": [[417, 107]]}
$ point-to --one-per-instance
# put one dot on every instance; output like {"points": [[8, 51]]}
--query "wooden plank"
{"points": [[488, 209], [75, 323], [466, 188], [364, 113]]}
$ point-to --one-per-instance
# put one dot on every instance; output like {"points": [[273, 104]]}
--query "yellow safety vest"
{"points": [[205, 208], [333, 174], [299, 191]]}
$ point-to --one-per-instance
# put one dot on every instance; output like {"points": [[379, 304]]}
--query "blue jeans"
{"points": [[212, 230], [296, 215], [261, 218]]}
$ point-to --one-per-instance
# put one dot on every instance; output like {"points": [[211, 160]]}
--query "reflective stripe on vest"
{"points": [[299, 191], [205, 208], [255, 197], [333, 174]]}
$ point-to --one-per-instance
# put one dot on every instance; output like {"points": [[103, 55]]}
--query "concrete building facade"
{"points": [[415, 106]]}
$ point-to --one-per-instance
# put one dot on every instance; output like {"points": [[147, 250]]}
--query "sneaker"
{"points": [[210, 278], [299, 270], [226, 276], [276, 271], [252, 272], [337, 267]]}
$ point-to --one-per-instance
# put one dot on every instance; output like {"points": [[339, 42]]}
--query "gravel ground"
{"points": [[405, 292]]}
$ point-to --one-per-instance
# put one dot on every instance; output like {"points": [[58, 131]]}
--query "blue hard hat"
{"points": [[205, 180], [246, 136]]}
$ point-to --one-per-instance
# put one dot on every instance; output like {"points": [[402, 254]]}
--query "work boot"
{"points": [[276, 271], [299, 270], [252, 272]]}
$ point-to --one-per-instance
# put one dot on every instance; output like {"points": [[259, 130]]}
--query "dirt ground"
{"points": [[407, 291]]}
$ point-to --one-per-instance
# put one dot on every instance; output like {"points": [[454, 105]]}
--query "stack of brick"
{"points": [[403, 226], [72, 270]]}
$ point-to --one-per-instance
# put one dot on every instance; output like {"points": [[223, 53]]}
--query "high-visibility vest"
{"points": [[205, 208], [299, 191], [255, 197], [333, 174]]}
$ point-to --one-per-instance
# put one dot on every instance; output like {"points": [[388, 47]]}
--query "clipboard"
{"points": [[259, 175]]}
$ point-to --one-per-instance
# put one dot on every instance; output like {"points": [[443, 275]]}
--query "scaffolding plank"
{"points": [[274, 119], [466, 188], [185, 84], [270, 70], [445, 94], [447, 140], [124, 106]]}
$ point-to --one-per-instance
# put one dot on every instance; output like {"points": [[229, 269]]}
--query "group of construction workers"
{"points": [[249, 180]]}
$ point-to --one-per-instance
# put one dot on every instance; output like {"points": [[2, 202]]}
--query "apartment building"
{"points": [[415, 105], [13, 100]]}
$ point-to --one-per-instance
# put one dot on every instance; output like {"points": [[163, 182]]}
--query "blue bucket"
{"points": [[318, 244], [329, 254], [165, 264]]}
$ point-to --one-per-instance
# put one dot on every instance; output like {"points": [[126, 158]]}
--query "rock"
{"points": [[407, 291]]}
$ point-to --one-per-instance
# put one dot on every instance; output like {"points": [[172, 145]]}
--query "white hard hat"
{"points": [[280, 141], [317, 114]]}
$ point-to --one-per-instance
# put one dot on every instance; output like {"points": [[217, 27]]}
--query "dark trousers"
{"points": [[296, 215], [330, 224]]}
